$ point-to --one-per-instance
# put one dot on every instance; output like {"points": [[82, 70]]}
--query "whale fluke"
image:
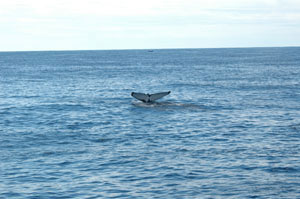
{"points": [[149, 97]]}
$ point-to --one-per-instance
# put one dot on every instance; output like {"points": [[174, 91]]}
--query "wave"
{"points": [[168, 105]]}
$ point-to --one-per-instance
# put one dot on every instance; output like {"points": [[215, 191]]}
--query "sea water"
{"points": [[229, 129]]}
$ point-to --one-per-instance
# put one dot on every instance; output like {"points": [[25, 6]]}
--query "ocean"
{"points": [[230, 128]]}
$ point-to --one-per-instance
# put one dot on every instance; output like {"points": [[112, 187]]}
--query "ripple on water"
{"points": [[70, 129]]}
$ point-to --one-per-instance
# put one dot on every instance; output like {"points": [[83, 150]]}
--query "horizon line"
{"points": [[120, 49]]}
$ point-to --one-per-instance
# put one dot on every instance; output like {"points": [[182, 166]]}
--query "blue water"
{"points": [[229, 129]]}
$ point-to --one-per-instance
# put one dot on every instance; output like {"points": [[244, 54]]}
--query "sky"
{"points": [[27, 25]]}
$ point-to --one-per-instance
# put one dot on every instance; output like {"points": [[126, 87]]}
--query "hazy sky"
{"points": [[134, 24]]}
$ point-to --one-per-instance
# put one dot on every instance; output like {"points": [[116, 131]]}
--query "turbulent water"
{"points": [[229, 129]]}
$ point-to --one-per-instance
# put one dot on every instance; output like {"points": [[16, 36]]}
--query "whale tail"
{"points": [[149, 97]]}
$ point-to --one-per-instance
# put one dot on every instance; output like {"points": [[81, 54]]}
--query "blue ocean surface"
{"points": [[230, 128]]}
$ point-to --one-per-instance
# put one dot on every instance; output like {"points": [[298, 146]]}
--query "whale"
{"points": [[148, 98]]}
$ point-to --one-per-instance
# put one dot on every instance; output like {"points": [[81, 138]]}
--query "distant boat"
{"points": [[150, 51]]}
